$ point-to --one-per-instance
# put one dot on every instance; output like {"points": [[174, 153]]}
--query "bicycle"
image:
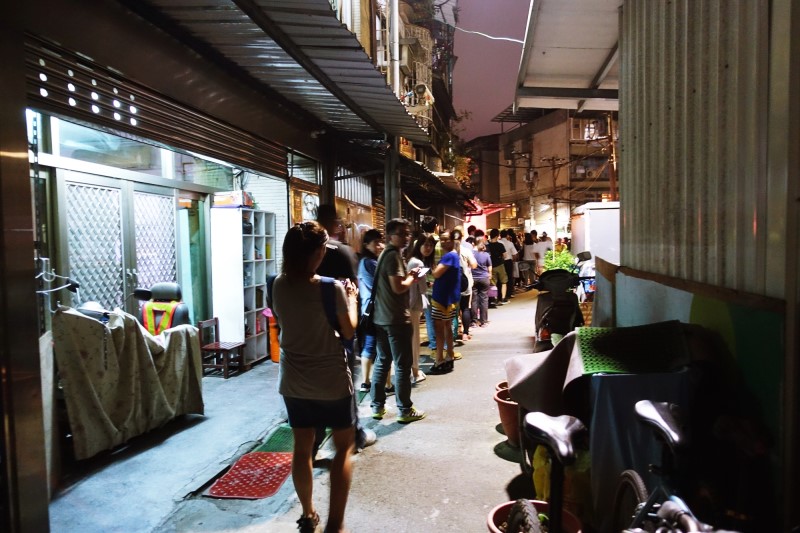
{"points": [[635, 510], [558, 435], [663, 509]]}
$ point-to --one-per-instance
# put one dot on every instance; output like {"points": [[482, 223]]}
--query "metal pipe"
{"points": [[394, 45]]}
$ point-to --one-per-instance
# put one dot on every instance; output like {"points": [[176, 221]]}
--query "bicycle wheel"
{"points": [[523, 518], [630, 492]]}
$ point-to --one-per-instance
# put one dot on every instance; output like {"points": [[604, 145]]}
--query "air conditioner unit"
{"points": [[405, 60], [383, 59]]}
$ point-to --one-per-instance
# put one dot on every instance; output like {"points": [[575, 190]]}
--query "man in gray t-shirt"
{"points": [[393, 331]]}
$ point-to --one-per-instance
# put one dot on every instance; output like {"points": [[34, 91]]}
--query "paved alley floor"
{"points": [[440, 474]]}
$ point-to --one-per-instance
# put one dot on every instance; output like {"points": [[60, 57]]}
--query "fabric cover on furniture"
{"points": [[119, 381]]}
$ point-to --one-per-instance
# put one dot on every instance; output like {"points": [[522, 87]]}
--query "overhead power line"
{"points": [[510, 39]]}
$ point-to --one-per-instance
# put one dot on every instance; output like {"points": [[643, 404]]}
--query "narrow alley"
{"points": [[441, 474]]}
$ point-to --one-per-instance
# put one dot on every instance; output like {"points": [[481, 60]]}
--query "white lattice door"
{"points": [[114, 236]]}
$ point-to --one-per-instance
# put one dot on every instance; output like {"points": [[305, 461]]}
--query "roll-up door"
{"points": [[69, 85]]}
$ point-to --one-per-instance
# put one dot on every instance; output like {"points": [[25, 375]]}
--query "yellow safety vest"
{"points": [[148, 316]]}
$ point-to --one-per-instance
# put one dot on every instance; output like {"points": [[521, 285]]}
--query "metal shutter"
{"points": [[68, 85]]}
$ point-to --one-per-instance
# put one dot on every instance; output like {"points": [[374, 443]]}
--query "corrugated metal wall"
{"points": [[357, 189], [693, 119]]}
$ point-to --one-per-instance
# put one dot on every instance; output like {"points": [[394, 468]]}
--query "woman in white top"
{"points": [[314, 378]]}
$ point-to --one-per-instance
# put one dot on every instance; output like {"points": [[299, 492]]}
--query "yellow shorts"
{"points": [[443, 312]]}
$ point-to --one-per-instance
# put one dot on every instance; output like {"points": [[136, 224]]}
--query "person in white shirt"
{"points": [[539, 249], [510, 256], [468, 262]]}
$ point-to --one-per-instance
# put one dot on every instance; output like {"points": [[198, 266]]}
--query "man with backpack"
{"points": [[340, 262]]}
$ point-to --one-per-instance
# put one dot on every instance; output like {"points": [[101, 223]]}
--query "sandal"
{"points": [[438, 370], [308, 524]]}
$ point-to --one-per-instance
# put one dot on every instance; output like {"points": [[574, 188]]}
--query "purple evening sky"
{"points": [[486, 71]]}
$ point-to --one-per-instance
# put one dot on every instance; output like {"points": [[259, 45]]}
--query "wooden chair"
{"points": [[219, 355]]}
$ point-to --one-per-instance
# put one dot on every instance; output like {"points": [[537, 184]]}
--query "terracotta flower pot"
{"points": [[498, 515], [509, 416], [500, 386]]}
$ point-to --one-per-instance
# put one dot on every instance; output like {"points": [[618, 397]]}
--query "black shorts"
{"points": [[335, 414]]}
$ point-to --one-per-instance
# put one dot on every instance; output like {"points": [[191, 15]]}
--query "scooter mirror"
{"points": [[142, 294]]}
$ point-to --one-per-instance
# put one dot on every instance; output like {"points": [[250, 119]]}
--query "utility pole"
{"points": [[555, 166], [532, 178]]}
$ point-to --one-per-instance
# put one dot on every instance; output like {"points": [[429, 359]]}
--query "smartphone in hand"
{"points": [[422, 272]]}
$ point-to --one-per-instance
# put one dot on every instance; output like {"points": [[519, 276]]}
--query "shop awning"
{"points": [[424, 185], [298, 49], [570, 58], [476, 207]]}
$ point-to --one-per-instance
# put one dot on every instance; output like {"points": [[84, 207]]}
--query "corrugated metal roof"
{"points": [[570, 58], [301, 50], [521, 115]]}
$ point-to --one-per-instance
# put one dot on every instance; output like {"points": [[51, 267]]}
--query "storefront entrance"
{"points": [[115, 235]]}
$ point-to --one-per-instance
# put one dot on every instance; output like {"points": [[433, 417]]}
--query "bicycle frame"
{"points": [[648, 511]]}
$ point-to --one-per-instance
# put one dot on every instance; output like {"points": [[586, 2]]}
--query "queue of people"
{"points": [[317, 299]]}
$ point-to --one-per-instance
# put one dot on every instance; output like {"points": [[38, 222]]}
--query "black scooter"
{"points": [[557, 308]]}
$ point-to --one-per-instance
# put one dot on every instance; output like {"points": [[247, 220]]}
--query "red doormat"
{"points": [[255, 475]]}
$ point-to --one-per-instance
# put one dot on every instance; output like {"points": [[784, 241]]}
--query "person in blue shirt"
{"points": [[445, 301], [372, 244]]}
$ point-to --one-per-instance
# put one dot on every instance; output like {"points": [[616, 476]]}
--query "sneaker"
{"points": [[411, 415], [378, 414], [365, 387], [308, 524], [365, 437], [389, 390]]}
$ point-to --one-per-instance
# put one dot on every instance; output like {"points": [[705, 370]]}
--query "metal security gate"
{"points": [[114, 236], [155, 248]]}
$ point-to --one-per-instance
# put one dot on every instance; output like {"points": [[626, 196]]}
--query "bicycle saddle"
{"points": [[665, 418], [556, 432]]}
